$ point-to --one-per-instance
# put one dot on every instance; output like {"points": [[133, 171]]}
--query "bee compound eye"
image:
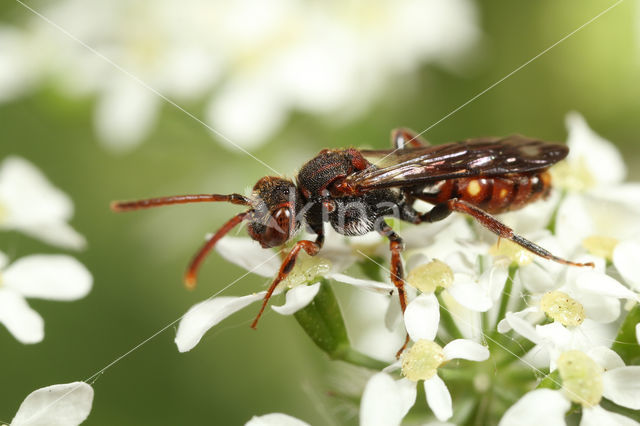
{"points": [[279, 228]]}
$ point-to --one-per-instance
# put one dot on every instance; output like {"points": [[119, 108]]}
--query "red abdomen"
{"points": [[493, 194]]}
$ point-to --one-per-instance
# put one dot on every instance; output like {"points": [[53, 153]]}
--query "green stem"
{"points": [[626, 344], [354, 357], [506, 293], [323, 322]]}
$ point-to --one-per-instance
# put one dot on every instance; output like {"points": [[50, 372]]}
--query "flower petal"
{"points": [[598, 416], [605, 357], [247, 99], [536, 279], [602, 309], [465, 349], [385, 402], [29, 195], [17, 70], [599, 283], [275, 419], [601, 157], [4, 260], [371, 285], [53, 277], [248, 254], [622, 386], [59, 234], [573, 222], [297, 298], [422, 317], [522, 327], [125, 113], [494, 280], [438, 398], [470, 295], [638, 332], [67, 404], [24, 323], [527, 410], [204, 315], [625, 258]]}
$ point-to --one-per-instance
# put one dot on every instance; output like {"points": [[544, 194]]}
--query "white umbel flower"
{"points": [[255, 62], [302, 284], [598, 373], [386, 401]]}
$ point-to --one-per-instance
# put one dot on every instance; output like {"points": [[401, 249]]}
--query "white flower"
{"points": [[275, 419], [302, 282], [52, 277], [462, 280], [30, 204], [582, 309], [599, 209], [57, 405], [586, 379], [260, 61], [386, 401]]}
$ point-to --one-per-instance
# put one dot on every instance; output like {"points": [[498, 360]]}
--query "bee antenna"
{"points": [[192, 270], [123, 206]]}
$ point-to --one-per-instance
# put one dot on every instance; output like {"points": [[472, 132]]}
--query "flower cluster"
{"points": [[29, 203], [490, 324], [255, 61]]}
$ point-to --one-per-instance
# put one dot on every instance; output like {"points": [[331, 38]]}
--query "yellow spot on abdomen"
{"points": [[474, 188], [503, 193]]}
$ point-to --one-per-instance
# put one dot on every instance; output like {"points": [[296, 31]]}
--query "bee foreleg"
{"points": [[311, 247]]}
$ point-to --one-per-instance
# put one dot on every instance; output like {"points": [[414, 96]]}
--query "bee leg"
{"points": [[311, 247], [405, 138], [442, 210], [397, 272]]}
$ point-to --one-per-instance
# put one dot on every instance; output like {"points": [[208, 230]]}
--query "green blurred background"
{"points": [[137, 259]]}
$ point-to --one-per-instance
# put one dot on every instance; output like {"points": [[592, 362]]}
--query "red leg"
{"points": [[192, 270], [442, 210], [397, 271], [311, 247], [121, 206]]}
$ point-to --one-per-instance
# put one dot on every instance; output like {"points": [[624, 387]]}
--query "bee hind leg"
{"points": [[442, 210]]}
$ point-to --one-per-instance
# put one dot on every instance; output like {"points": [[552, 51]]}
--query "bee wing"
{"points": [[473, 157]]}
